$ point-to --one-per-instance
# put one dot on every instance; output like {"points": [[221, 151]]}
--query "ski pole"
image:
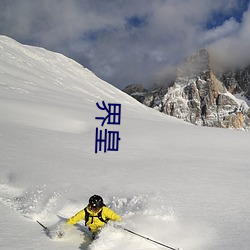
{"points": [[45, 228], [146, 238]]}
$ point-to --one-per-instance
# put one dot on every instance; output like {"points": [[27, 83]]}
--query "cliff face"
{"points": [[201, 97], [237, 81]]}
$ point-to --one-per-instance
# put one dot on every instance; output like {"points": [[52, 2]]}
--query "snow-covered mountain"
{"points": [[237, 81], [201, 96], [183, 185]]}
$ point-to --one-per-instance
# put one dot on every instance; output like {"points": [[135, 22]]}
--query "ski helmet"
{"points": [[95, 202]]}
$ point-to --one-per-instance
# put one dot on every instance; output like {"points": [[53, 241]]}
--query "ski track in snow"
{"points": [[144, 214]]}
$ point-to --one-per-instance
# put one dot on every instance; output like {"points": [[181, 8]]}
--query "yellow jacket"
{"points": [[94, 223]]}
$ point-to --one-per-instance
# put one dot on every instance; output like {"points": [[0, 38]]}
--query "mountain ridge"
{"points": [[200, 95]]}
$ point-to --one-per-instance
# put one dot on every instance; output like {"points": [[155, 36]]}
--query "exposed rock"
{"points": [[133, 88], [137, 91], [237, 81]]}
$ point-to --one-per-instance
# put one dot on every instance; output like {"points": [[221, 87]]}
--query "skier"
{"points": [[95, 214]]}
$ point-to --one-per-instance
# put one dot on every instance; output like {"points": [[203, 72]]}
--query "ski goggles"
{"points": [[94, 208]]}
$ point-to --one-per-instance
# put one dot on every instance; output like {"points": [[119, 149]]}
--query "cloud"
{"points": [[233, 49], [121, 41], [228, 28]]}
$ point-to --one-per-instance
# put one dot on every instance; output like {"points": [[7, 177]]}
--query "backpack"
{"points": [[88, 216]]}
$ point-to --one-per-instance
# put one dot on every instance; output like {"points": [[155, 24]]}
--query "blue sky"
{"points": [[218, 17], [131, 41]]}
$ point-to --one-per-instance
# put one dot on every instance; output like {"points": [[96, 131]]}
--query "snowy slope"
{"points": [[179, 184]]}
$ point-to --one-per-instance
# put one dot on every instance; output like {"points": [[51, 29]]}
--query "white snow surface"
{"points": [[182, 185]]}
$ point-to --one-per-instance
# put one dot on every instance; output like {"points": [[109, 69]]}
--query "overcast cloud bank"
{"points": [[134, 41]]}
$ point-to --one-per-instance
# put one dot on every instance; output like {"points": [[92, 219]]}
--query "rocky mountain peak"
{"points": [[196, 64], [200, 96]]}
